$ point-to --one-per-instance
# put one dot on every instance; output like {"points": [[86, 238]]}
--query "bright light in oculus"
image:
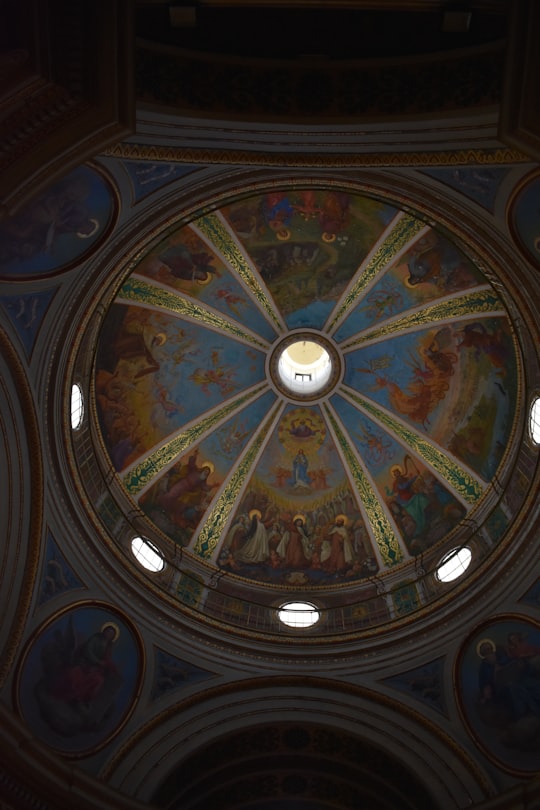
{"points": [[454, 564], [298, 614], [305, 367]]}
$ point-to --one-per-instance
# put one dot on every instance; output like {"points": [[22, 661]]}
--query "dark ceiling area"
{"points": [[292, 767], [252, 31]]}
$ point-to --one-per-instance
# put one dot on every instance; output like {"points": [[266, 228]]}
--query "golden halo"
{"points": [[209, 465], [299, 517], [114, 627], [283, 234], [254, 512], [92, 232], [202, 282], [328, 237], [160, 339], [394, 468], [408, 283], [482, 642], [343, 517]]}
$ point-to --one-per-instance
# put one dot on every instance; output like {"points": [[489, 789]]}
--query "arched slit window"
{"points": [[77, 406], [534, 420]]}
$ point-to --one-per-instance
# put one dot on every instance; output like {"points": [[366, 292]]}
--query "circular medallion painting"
{"points": [[307, 388], [59, 227], [498, 673], [79, 678], [525, 219]]}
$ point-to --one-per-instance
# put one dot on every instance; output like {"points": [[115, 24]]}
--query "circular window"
{"points": [[147, 554], [454, 564], [305, 366], [298, 614]]}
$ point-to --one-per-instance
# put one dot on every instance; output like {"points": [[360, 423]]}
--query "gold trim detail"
{"points": [[135, 289], [405, 229], [478, 302], [213, 527], [197, 157], [459, 479], [147, 470], [214, 230], [382, 530]]}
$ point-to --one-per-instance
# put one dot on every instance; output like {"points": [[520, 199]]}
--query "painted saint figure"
{"points": [[300, 477], [296, 546], [256, 548], [409, 499], [188, 491], [79, 683], [341, 554], [509, 694]]}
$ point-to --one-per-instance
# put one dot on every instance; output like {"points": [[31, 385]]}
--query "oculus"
{"points": [[305, 366]]}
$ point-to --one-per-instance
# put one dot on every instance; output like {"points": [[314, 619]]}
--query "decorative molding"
{"points": [[390, 159]]}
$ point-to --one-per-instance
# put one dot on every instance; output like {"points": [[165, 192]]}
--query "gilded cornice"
{"points": [[339, 159]]}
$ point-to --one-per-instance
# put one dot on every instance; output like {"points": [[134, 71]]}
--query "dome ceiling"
{"points": [[275, 484]]}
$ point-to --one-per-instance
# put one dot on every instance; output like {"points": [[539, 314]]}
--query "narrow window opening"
{"points": [[77, 406], [534, 421]]}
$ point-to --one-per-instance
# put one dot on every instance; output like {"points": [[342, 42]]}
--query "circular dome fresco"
{"points": [[308, 390]]}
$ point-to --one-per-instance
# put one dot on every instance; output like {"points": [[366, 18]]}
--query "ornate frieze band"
{"points": [[339, 159]]}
